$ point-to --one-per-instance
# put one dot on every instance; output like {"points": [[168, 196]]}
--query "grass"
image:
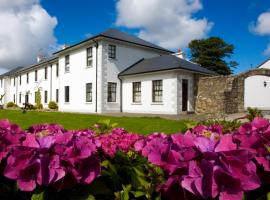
{"points": [[143, 125]]}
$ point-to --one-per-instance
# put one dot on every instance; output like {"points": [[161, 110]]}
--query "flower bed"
{"points": [[203, 163]]}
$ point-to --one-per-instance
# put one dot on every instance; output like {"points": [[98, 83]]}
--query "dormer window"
{"points": [[89, 56], [112, 51], [67, 63]]}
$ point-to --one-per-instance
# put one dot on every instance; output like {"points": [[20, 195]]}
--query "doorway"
{"points": [[184, 95]]}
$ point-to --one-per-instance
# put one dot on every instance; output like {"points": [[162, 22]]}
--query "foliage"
{"points": [[253, 113], [104, 126], [203, 163], [2, 96], [227, 125], [38, 105], [53, 105], [141, 125], [212, 53], [30, 106], [11, 104]]}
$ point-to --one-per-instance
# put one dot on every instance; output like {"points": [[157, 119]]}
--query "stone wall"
{"points": [[223, 94]]}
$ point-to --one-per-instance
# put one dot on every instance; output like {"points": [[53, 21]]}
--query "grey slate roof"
{"points": [[162, 63], [20, 69], [263, 63], [11, 72], [121, 36]]}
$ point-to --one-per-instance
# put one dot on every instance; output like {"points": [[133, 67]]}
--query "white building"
{"points": [[257, 89], [110, 72]]}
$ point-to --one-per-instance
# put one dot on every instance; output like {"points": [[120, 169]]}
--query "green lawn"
{"points": [[143, 125]]}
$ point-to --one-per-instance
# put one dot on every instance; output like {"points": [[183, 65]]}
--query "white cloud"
{"points": [[170, 24], [262, 27], [25, 29]]}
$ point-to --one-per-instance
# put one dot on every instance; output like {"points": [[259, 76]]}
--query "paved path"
{"points": [[192, 117]]}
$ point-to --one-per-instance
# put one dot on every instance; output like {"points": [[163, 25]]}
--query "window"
{"points": [[89, 56], [66, 94], [157, 91], [20, 80], [20, 98], [45, 96], [112, 51], [27, 98], [27, 78], [57, 69], [36, 75], [57, 96], [67, 63], [14, 98], [14, 81], [88, 92], [136, 92], [36, 96], [111, 92], [45, 72]]}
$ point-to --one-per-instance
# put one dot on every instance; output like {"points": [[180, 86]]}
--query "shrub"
{"points": [[203, 163], [11, 104], [31, 106], [227, 125], [253, 113], [53, 105], [38, 106]]}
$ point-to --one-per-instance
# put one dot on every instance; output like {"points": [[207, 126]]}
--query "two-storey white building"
{"points": [[110, 72]]}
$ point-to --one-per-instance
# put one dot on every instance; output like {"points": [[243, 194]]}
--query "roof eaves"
{"points": [[168, 69], [263, 63], [130, 67]]}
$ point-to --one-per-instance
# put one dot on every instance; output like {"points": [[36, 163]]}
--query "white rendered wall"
{"points": [[256, 94], [190, 77], [265, 65], [125, 57], [169, 104], [76, 79]]}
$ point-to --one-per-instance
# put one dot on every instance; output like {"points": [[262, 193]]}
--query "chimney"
{"points": [[65, 46], [180, 54], [40, 58]]}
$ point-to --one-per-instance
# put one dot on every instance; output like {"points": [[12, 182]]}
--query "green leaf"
{"points": [[138, 193], [38, 195], [268, 196]]}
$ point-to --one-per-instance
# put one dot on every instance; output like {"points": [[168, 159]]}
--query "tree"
{"points": [[212, 54]]}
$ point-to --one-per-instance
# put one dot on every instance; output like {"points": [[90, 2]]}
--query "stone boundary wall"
{"points": [[223, 94]]}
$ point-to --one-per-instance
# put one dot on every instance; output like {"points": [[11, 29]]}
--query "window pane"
{"points": [[67, 63], [112, 92], [88, 92], [137, 92], [157, 91], [57, 96], [112, 51], [66, 93]]}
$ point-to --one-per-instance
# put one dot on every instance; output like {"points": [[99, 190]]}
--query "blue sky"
{"points": [[231, 20], [172, 25]]}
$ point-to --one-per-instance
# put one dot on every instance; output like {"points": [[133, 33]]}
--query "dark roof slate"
{"points": [[162, 63], [11, 72], [121, 36], [23, 68]]}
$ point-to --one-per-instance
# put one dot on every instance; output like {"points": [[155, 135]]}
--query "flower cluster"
{"points": [[202, 163], [117, 140], [207, 164], [49, 156]]}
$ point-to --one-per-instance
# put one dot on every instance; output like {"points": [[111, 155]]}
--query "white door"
{"points": [[257, 92]]}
